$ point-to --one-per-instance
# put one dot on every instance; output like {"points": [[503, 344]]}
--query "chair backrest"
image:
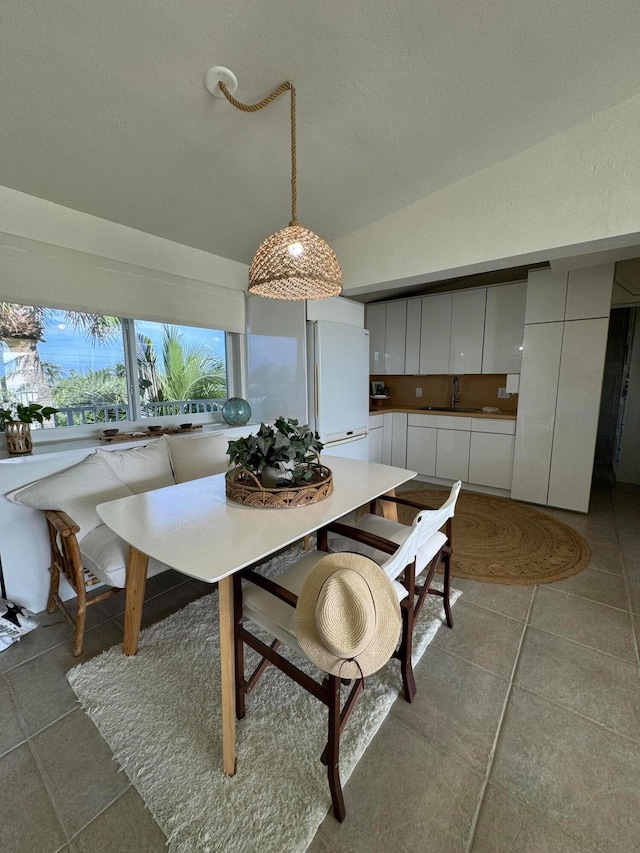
{"points": [[424, 525]]}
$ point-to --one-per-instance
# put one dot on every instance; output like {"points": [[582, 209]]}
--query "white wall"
{"points": [[27, 216], [577, 187]]}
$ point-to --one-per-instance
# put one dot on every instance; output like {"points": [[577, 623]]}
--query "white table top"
{"points": [[193, 528]]}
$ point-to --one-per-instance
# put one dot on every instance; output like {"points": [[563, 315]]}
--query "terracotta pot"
{"points": [[18, 438]]}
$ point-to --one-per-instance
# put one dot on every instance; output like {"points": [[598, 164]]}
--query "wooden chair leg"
{"points": [[333, 743], [54, 587], [446, 560], [78, 640], [406, 648], [241, 708]]}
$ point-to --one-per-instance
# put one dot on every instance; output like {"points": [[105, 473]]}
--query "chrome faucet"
{"points": [[455, 397]]}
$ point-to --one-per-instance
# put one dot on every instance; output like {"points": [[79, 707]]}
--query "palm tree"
{"points": [[188, 371], [22, 329]]}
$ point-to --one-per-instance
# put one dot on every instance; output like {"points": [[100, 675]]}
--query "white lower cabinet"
{"points": [[398, 439], [421, 450], [452, 454], [375, 444], [491, 459]]}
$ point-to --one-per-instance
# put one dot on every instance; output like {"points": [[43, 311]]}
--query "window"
{"points": [[181, 370], [99, 369]]}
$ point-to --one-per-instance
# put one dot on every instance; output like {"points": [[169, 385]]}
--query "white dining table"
{"points": [[196, 530]]}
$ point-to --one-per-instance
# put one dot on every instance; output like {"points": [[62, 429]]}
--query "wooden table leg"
{"points": [[227, 675], [136, 580], [389, 509]]}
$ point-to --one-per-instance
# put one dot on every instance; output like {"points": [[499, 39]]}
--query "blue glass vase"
{"points": [[236, 411]]}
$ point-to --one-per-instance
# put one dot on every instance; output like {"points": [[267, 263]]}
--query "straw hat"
{"points": [[348, 618]]}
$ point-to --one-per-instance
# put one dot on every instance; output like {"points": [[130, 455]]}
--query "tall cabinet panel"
{"points": [[504, 328], [435, 333], [536, 412], [581, 368], [467, 331], [375, 323]]}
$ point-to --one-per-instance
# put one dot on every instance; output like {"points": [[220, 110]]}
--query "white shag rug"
{"points": [[159, 713]]}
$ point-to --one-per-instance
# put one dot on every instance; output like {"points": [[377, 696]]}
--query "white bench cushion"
{"points": [[105, 555], [142, 468], [76, 491], [192, 458]]}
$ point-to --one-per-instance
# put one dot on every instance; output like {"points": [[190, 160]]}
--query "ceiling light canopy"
{"points": [[293, 263]]}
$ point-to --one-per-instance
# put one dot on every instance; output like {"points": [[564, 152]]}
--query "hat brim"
{"points": [[388, 618]]}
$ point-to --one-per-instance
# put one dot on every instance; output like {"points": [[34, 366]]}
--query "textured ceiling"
{"points": [[103, 107]]}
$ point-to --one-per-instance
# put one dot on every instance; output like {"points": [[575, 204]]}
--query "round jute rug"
{"points": [[497, 540]]}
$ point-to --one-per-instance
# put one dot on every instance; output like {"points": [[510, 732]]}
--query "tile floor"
{"points": [[524, 736]]}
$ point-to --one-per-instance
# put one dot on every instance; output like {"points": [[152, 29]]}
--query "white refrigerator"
{"points": [[338, 374]]}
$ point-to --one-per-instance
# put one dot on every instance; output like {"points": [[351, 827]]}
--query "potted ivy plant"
{"points": [[278, 455], [16, 423]]}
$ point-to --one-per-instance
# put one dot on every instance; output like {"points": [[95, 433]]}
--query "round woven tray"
{"points": [[243, 487]]}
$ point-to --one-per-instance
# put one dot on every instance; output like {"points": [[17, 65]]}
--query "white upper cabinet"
{"points": [[546, 296], [435, 333], [589, 292], [395, 336], [375, 323], [504, 328], [467, 331], [412, 351], [387, 325]]}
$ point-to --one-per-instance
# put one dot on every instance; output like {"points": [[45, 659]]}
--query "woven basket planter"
{"points": [[18, 438], [243, 487]]}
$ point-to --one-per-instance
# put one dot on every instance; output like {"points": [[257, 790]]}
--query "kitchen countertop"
{"points": [[420, 410]]}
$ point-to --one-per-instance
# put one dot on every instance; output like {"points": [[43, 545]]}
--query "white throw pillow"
{"points": [[142, 468], [76, 491], [192, 458]]}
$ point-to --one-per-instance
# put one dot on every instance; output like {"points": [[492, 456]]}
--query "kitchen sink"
{"points": [[448, 409]]}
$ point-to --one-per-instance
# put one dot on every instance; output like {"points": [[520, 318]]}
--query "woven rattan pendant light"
{"points": [[293, 263]]}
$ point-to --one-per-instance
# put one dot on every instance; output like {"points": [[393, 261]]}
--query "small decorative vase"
{"points": [[18, 438]]}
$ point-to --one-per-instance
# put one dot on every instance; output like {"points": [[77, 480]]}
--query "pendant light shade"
{"points": [[294, 263]]}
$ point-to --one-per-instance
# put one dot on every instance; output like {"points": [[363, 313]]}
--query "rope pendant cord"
{"points": [[260, 105]]}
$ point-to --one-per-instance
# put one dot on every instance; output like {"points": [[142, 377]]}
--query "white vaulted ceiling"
{"points": [[103, 108]]}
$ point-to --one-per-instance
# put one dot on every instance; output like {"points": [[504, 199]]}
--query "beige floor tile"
{"points": [[29, 821], [588, 622], [405, 794], [631, 565], [591, 683], [320, 844], [595, 585], [573, 771], [11, 731], [606, 559], [481, 637], [52, 631], [125, 827], [79, 768], [508, 599], [40, 686], [634, 593], [507, 825], [457, 706]]}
